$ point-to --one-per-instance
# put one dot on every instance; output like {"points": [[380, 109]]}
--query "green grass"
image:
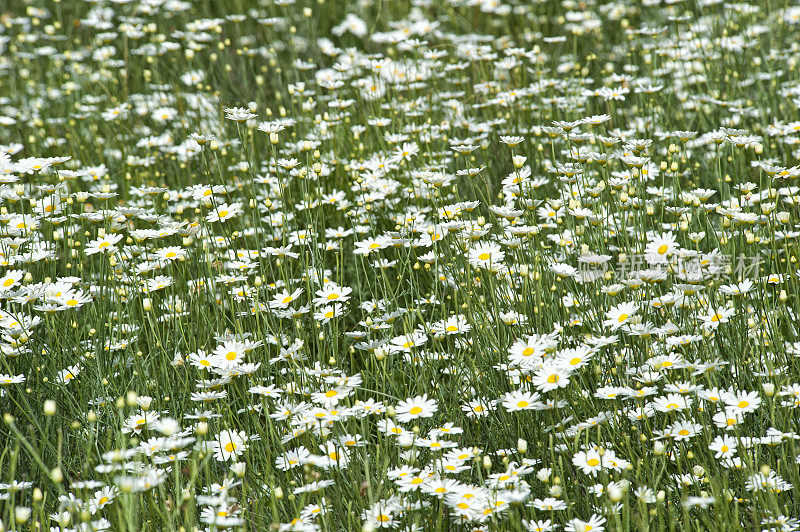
{"points": [[326, 265]]}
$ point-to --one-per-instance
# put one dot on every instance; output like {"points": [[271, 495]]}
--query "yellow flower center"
{"points": [[593, 462], [414, 411], [662, 249]]}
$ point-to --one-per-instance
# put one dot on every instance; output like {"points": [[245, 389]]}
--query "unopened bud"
{"points": [[22, 514], [131, 397], [659, 448], [238, 469]]}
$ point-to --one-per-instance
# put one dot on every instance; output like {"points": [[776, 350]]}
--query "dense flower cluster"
{"points": [[461, 265]]}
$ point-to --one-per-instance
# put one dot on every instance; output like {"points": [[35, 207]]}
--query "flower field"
{"points": [[350, 265]]}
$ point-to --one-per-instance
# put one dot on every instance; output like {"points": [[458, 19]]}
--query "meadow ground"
{"points": [[464, 265]]}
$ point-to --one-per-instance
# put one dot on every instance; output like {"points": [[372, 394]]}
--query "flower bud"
{"points": [[238, 469], [49, 407], [22, 514], [659, 448]]}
